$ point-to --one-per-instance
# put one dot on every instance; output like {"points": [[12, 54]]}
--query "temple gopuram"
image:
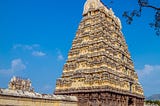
{"points": [[99, 70]]}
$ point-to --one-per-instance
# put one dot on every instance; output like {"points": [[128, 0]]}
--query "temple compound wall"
{"points": [[25, 98], [21, 93]]}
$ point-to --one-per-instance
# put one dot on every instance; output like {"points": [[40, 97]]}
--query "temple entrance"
{"points": [[130, 102]]}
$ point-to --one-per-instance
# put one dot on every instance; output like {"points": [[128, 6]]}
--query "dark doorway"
{"points": [[130, 102]]}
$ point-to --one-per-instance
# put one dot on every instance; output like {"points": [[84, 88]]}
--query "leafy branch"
{"points": [[137, 13]]}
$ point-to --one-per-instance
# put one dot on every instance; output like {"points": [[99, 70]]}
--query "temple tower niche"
{"points": [[99, 69]]}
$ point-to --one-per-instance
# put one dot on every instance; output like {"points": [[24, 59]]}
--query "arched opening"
{"points": [[130, 102]]}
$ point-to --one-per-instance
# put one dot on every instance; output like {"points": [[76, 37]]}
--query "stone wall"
{"points": [[25, 98]]}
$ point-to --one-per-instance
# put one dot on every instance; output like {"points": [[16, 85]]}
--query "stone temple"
{"points": [[99, 70]]}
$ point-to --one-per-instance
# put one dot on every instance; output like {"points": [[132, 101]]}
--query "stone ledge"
{"points": [[34, 95]]}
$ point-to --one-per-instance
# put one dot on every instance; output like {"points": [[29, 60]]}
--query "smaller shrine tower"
{"points": [[18, 83]]}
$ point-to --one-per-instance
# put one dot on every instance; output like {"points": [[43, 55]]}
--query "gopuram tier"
{"points": [[99, 69]]}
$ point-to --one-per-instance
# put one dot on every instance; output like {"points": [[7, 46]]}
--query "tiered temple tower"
{"points": [[18, 83], [99, 69]]}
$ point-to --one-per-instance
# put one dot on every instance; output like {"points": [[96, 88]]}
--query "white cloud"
{"points": [[38, 53], [60, 57], [33, 49], [47, 87], [149, 78], [26, 47], [16, 65], [148, 69]]}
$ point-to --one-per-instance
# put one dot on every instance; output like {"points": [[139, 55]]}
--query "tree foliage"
{"points": [[153, 102], [129, 15]]}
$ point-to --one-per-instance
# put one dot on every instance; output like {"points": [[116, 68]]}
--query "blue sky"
{"points": [[36, 35]]}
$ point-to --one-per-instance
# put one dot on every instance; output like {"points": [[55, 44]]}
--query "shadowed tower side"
{"points": [[99, 69]]}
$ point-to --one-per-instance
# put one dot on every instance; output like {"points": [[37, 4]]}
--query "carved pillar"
{"points": [[107, 96], [83, 99], [126, 101], [134, 102], [102, 99], [113, 96], [109, 100], [115, 99], [139, 102], [118, 100], [94, 99]]}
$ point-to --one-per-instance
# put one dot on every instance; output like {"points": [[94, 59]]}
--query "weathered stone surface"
{"points": [[18, 83], [26, 98], [99, 63]]}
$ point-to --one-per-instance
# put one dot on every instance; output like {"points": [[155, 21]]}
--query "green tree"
{"points": [[153, 102]]}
